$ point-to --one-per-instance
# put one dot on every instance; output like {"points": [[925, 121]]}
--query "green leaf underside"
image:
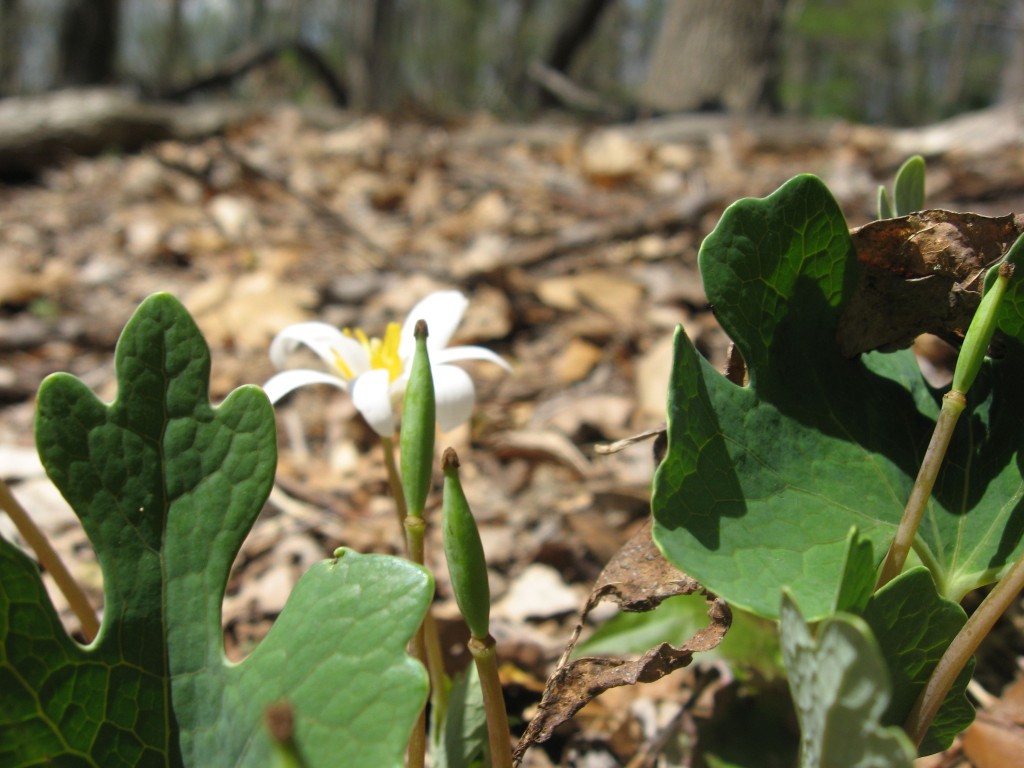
{"points": [[840, 690], [462, 741], [913, 626], [761, 484], [167, 487]]}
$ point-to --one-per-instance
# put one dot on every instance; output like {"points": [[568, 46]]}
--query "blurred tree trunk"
{"points": [[716, 54], [574, 32], [957, 55], [514, 61], [173, 44], [371, 69], [89, 32], [10, 47], [257, 19], [1011, 90]]}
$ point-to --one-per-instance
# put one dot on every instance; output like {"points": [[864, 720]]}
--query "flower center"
{"points": [[383, 353]]}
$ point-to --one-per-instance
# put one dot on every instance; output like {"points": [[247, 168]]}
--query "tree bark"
{"points": [[251, 57], [576, 30], [716, 54], [514, 63], [89, 35], [1011, 89], [10, 47], [371, 68], [173, 43]]}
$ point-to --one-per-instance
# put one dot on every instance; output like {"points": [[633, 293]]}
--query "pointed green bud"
{"points": [[885, 210], [464, 552], [419, 415], [908, 189], [986, 319]]}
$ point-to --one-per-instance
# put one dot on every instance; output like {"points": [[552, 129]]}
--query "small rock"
{"points": [[235, 216], [539, 592], [611, 155]]}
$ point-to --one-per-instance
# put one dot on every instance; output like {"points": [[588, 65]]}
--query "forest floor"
{"points": [[576, 246]]}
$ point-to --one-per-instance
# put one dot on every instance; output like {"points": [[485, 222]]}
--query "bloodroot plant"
{"points": [[831, 489]]}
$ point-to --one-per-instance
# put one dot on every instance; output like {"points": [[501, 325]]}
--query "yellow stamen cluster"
{"points": [[383, 353]]}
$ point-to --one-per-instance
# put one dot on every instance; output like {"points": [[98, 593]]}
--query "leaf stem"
{"points": [[427, 642], [953, 404], [415, 528], [417, 749], [961, 650], [485, 658], [394, 480], [435, 667], [51, 562]]}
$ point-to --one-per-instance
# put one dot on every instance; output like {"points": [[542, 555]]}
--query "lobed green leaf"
{"points": [[167, 487]]}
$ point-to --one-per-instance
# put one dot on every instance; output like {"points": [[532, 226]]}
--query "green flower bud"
{"points": [[419, 415], [464, 552], [985, 321]]}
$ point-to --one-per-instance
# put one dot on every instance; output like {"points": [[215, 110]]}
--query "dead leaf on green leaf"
{"points": [[921, 273]]}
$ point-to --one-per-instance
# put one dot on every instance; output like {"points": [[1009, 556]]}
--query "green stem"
{"points": [[428, 648], [953, 404], [435, 667], [962, 649], [51, 562], [483, 651], [394, 480], [417, 750], [415, 528]]}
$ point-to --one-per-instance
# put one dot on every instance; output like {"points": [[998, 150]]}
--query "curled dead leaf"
{"points": [[638, 579]]}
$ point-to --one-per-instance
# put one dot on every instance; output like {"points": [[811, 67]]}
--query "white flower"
{"points": [[375, 371]]}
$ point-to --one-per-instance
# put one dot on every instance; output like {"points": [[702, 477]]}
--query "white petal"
{"points": [[454, 394], [372, 397], [280, 385], [318, 336], [443, 311], [453, 354], [325, 340]]}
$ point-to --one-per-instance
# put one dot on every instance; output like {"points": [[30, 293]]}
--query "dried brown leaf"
{"points": [[996, 738], [638, 579], [542, 445], [921, 273]]}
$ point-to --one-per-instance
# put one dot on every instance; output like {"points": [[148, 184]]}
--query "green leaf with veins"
{"points": [[167, 487], [913, 626], [761, 484], [840, 689]]}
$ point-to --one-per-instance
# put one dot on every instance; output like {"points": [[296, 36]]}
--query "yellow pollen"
{"points": [[383, 353]]}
